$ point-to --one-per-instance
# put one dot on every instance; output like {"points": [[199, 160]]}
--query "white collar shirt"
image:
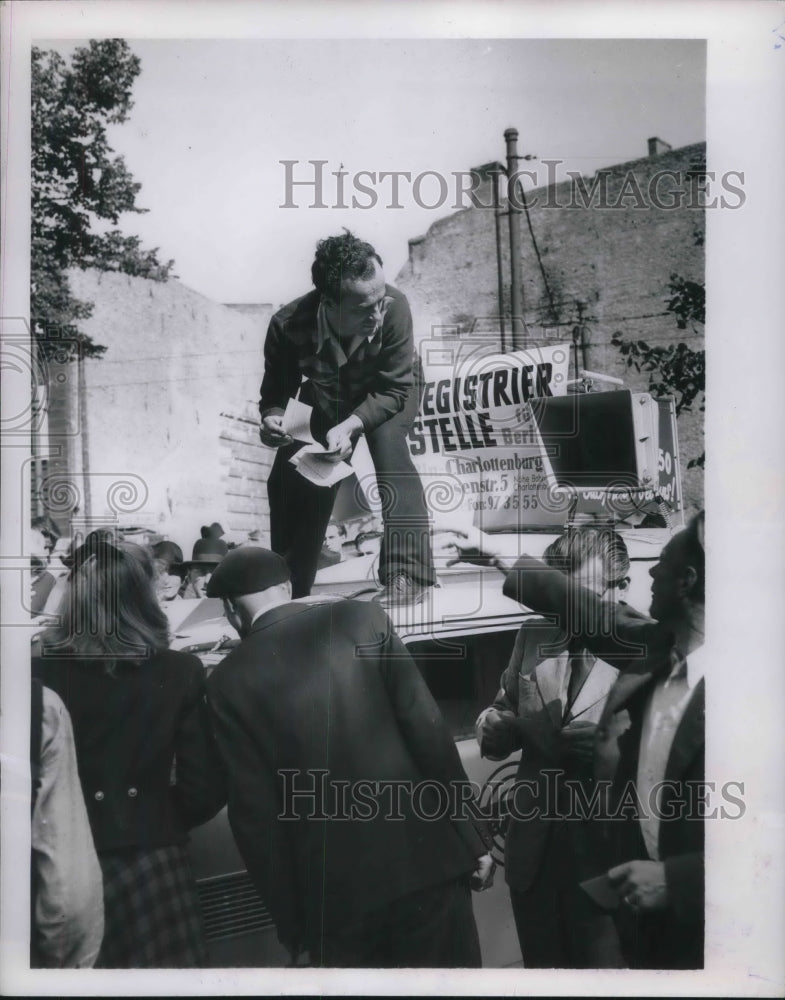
{"points": [[663, 713]]}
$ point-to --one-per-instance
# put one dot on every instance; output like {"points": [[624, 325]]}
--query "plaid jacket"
{"points": [[369, 377]]}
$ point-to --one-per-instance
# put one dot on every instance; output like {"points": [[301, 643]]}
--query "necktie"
{"points": [[580, 667]]}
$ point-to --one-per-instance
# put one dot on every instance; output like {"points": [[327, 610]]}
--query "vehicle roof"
{"points": [[467, 599]]}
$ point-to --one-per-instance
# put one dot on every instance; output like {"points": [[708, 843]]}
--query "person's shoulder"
{"points": [[391, 292], [176, 662], [47, 667], [54, 713], [323, 614], [366, 614], [298, 308], [398, 304], [539, 641], [344, 612]]}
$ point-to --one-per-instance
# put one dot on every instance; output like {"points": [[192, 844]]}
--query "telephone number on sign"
{"points": [[509, 503], [516, 502]]}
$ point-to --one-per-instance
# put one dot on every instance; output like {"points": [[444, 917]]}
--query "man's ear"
{"points": [[690, 581]]}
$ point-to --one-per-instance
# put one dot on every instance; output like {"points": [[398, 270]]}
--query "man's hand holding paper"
{"points": [[272, 431], [340, 437]]}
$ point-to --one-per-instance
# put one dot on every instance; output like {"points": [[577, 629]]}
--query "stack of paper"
{"points": [[314, 462]]}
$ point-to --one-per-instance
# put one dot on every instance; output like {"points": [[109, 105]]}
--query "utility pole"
{"points": [[81, 388], [498, 171], [513, 212], [579, 336]]}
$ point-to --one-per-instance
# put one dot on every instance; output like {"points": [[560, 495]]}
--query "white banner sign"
{"points": [[474, 442]]}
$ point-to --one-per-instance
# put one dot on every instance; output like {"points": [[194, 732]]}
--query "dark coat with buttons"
{"points": [[147, 761]]}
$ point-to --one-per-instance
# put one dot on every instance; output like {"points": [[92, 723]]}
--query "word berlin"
{"points": [[307, 185]]}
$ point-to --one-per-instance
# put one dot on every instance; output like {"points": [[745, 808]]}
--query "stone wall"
{"points": [[163, 434]]}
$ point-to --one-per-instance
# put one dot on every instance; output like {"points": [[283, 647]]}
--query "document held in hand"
{"points": [[297, 421], [311, 461]]}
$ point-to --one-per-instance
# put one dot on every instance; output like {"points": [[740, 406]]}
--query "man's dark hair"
{"points": [[48, 528], [694, 554], [578, 545], [339, 259], [367, 536]]}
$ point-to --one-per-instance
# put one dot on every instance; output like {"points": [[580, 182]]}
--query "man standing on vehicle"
{"points": [[336, 756], [650, 739], [351, 339]]}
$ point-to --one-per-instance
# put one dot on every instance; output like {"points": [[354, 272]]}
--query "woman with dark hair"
{"points": [[145, 751], [167, 572]]}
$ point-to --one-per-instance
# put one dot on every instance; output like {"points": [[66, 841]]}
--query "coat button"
{"points": [[132, 793], [99, 796]]}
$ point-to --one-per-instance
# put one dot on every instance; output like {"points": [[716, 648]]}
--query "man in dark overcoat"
{"points": [[344, 781]]}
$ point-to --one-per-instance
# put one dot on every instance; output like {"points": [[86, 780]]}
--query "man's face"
{"points": [[590, 575], [166, 584], [39, 552], [333, 538], [234, 618], [199, 577], [668, 581], [361, 303]]}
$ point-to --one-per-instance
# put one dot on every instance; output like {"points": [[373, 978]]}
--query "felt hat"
{"points": [[207, 552], [247, 570]]}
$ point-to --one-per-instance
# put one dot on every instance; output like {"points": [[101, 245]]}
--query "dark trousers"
{"points": [[431, 928], [558, 925], [300, 511], [656, 941]]}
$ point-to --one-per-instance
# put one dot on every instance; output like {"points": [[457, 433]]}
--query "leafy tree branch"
{"points": [[676, 369], [79, 184]]}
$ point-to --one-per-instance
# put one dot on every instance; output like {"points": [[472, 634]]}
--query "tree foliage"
{"points": [[78, 186], [674, 369]]}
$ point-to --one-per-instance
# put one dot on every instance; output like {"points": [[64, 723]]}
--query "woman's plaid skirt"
{"points": [[151, 911]]}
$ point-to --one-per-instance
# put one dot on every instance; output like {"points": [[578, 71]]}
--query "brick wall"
{"points": [[246, 465], [617, 261]]}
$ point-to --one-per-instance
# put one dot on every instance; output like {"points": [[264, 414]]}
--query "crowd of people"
{"points": [[177, 578], [131, 747], [319, 732]]}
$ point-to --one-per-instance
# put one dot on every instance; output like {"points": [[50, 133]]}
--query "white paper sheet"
{"points": [[297, 421], [311, 462]]}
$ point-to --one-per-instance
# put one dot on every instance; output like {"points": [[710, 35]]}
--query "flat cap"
{"points": [[247, 570]]}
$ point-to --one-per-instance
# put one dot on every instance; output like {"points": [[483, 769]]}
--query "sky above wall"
{"points": [[212, 121]]}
